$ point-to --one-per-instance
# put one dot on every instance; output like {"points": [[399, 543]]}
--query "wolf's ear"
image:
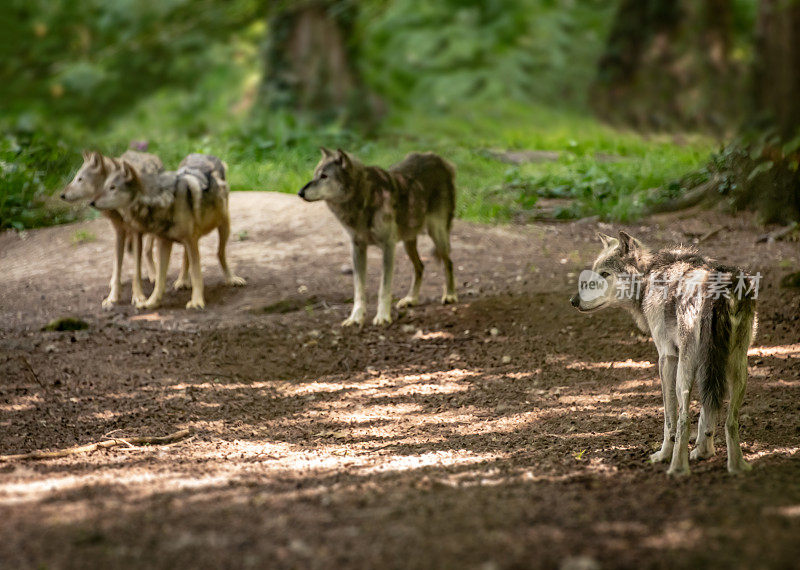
{"points": [[628, 242], [343, 159], [86, 155], [606, 239], [326, 153], [130, 171]]}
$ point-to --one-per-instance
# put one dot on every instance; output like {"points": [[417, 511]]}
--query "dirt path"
{"points": [[506, 432]]}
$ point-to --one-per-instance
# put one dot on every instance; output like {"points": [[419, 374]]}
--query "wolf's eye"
{"points": [[323, 176], [80, 178], [605, 274], [113, 187]]}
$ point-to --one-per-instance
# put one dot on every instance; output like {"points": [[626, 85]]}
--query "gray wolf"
{"points": [[175, 206], [87, 183], [702, 322], [381, 207]]}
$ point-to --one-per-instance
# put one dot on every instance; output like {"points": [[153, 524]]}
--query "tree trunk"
{"points": [[311, 61], [667, 64]]}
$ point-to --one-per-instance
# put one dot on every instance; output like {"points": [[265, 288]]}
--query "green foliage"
{"points": [[435, 54], [32, 163]]}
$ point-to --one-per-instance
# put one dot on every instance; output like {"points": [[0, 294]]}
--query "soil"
{"points": [[507, 431]]}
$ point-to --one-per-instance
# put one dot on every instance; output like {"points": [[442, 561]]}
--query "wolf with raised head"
{"points": [[86, 184], [178, 207], [381, 207], [702, 317]]}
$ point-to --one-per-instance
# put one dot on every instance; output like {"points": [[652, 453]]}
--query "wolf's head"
{"points": [[621, 259], [332, 178], [89, 179], [120, 187]]}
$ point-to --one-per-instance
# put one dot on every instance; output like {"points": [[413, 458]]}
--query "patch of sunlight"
{"points": [[433, 335], [431, 459], [581, 365], [782, 351], [789, 511], [683, 534], [789, 451]]}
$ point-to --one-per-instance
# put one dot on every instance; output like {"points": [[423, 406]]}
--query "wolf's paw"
{"points": [[182, 283], [149, 304], [356, 318], [407, 301], [739, 468], [138, 299], [661, 456], [678, 472], [381, 320], [196, 304], [698, 453], [235, 281], [109, 302], [449, 298]]}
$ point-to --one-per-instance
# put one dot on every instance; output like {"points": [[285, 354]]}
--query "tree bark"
{"points": [[667, 64], [311, 61]]}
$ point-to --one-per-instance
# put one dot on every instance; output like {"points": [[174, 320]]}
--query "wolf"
{"points": [[381, 207], [87, 183], [175, 206], [702, 322]]}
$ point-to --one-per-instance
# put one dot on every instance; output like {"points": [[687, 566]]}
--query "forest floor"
{"points": [[507, 431]]}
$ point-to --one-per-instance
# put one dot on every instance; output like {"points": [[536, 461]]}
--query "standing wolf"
{"points": [[702, 321], [381, 207], [179, 207], [88, 182]]}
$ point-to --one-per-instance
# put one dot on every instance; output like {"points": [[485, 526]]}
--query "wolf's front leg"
{"points": [[359, 251], [384, 316], [680, 454], [667, 368], [164, 247], [116, 273], [137, 294], [195, 272]]}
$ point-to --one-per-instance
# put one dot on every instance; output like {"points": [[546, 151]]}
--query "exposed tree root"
{"points": [[105, 444]]}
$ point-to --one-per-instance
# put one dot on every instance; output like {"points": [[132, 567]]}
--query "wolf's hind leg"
{"points": [[137, 294], [164, 248], [116, 273], [149, 261], [705, 434], [440, 235], [667, 368], [737, 376], [413, 293], [685, 379], [224, 232], [183, 281], [359, 251], [195, 272], [384, 315]]}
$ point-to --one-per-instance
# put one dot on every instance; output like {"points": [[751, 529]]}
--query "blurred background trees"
{"points": [[265, 82]]}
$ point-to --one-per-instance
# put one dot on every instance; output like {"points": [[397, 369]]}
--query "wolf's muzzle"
{"points": [[575, 301], [302, 192]]}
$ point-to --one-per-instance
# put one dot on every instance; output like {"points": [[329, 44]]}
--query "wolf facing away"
{"points": [[179, 207], [381, 207], [702, 325], [86, 184]]}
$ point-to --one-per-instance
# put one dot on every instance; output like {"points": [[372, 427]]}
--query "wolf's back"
{"points": [[436, 175]]}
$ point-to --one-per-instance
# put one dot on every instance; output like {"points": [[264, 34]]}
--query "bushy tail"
{"points": [[726, 334], [715, 343]]}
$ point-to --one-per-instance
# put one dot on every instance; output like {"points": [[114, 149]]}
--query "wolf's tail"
{"points": [[727, 330]]}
